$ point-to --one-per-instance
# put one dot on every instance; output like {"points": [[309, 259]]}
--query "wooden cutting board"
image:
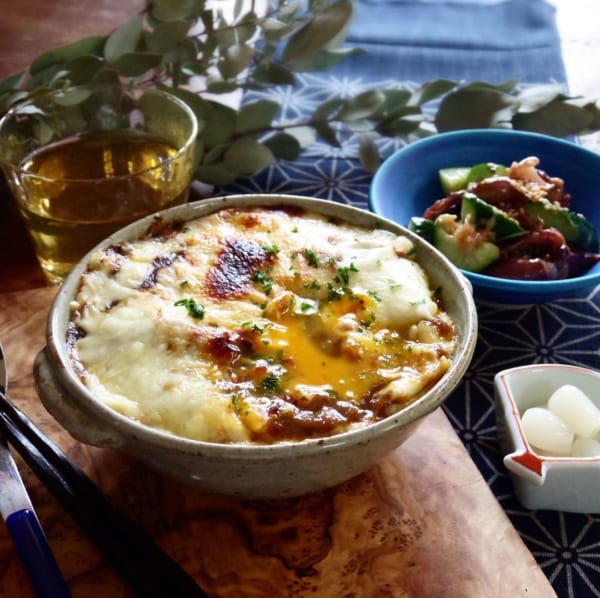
{"points": [[421, 524]]}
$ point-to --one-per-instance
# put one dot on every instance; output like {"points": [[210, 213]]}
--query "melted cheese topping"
{"points": [[258, 325]]}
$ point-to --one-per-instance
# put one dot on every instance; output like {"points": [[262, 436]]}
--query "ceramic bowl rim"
{"points": [[127, 426], [518, 287]]}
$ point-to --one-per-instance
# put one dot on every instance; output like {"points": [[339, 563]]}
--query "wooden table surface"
{"points": [[422, 524]]}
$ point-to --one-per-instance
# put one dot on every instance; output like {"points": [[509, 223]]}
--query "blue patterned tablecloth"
{"points": [[409, 42]]}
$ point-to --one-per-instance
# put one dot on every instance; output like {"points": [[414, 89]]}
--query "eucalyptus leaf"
{"points": [[284, 146], [328, 109], [235, 60], [327, 133], [363, 105], [256, 116], [556, 118], [431, 90], [124, 40], [247, 156], [534, 98], [175, 10], [220, 124], [72, 97], [198, 51], [474, 107], [166, 37], [369, 154], [12, 82], [273, 74], [216, 174], [136, 64], [89, 45], [319, 32], [83, 68]]}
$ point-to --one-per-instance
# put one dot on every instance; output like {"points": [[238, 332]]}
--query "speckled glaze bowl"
{"points": [[251, 471]]}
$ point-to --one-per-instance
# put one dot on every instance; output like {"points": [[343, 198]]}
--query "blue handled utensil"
{"points": [[22, 522]]}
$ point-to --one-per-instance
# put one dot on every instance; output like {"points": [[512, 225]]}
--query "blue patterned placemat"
{"points": [[410, 42]]}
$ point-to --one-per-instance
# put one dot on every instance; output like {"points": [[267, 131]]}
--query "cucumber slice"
{"points": [[457, 178], [576, 228], [483, 214], [473, 260], [453, 179], [485, 170], [423, 227]]}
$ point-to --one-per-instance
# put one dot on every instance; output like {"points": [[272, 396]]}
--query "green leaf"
{"points": [[166, 37], [273, 74], [124, 40], [73, 97], [327, 133], [536, 97], [247, 156], [475, 107], [12, 82], [320, 32], [216, 174], [328, 109], [362, 106], [557, 118], [220, 125], [136, 64], [283, 146], [234, 35], [83, 68], [256, 116], [235, 60], [175, 10], [89, 45], [401, 126], [216, 86], [369, 154], [431, 90]]}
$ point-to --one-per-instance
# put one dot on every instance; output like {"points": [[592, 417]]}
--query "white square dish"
{"points": [[541, 481]]}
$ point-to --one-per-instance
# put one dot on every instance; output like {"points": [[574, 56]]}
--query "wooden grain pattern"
{"points": [[421, 524]]}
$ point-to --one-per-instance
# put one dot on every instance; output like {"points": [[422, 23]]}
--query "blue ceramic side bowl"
{"points": [[407, 182]]}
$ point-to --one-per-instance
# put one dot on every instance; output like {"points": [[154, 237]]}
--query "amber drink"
{"points": [[80, 186]]}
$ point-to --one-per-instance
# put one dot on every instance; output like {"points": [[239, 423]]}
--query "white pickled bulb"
{"points": [[586, 447], [576, 409], [545, 430]]}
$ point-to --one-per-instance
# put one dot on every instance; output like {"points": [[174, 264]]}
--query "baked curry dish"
{"points": [[259, 325]]}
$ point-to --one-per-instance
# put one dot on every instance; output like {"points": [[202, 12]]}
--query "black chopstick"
{"points": [[149, 571]]}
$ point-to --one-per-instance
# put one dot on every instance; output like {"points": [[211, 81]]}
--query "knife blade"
{"points": [[23, 524]]}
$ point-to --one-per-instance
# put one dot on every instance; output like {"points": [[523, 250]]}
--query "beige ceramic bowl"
{"points": [[280, 470]]}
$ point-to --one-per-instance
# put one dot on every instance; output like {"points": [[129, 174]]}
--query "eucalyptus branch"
{"points": [[200, 53]]}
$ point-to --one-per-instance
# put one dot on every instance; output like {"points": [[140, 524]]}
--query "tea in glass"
{"points": [[80, 170]]}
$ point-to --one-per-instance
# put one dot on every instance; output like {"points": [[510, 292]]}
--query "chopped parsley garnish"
{"points": [[183, 283], [194, 309], [344, 273], [312, 257], [270, 383], [271, 248], [263, 278]]}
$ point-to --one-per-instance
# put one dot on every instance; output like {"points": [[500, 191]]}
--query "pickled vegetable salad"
{"points": [[510, 222]]}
